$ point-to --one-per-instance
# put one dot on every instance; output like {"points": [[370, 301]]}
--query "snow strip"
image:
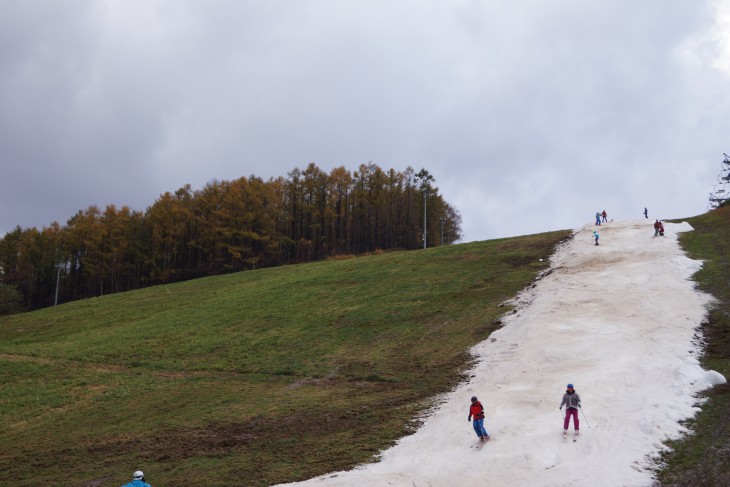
{"points": [[619, 321]]}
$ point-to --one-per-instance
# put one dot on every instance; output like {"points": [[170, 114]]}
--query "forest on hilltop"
{"points": [[227, 226]]}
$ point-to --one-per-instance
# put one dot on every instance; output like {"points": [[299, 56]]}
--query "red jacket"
{"points": [[476, 410]]}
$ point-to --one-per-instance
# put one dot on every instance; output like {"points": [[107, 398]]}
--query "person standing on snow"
{"points": [[571, 400], [476, 410], [598, 218], [661, 229], [137, 480], [605, 216], [658, 226], [595, 235]]}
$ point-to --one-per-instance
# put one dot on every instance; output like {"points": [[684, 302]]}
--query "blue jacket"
{"points": [[137, 483]]}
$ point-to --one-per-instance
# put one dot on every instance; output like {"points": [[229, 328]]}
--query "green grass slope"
{"points": [[252, 378], [704, 457]]}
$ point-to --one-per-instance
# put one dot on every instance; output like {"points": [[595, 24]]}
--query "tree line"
{"points": [[227, 226]]}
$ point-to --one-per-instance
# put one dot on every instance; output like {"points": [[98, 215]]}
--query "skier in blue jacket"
{"points": [[137, 480]]}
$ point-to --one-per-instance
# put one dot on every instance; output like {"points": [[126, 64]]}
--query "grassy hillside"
{"points": [[251, 378], [702, 459]]}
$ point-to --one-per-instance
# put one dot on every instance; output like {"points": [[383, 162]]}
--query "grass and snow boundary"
{"points": [[619, 321]]}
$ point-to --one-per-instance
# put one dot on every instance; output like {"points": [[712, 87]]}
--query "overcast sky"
{"points": [[531, 115]]}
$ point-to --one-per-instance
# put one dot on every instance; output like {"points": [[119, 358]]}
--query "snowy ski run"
{"points": [[618, 321]]}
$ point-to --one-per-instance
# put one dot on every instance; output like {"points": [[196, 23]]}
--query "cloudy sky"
{"points": [[531, 115]]}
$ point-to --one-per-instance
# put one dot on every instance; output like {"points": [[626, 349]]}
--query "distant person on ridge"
{"points": [[605, 216], [571, 400], [661, 229], [598, 218], [595, 236], [476, 410], [137, 480], [657, 227], [646, 213]]}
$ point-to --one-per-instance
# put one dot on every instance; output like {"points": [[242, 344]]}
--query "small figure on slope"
{"points": [[605, 216], [571, 400], [595, 236], [476, 410], [598, 218], [137, 480], [658, 229], [646, 213]]}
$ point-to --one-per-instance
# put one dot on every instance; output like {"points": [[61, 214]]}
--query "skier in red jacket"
{"points": [[476, 410]]}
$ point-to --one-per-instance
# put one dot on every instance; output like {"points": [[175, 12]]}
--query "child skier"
{"points": [[571, 399], [477, 411], [595, 235]]}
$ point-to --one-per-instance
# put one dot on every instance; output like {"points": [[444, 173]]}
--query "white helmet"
{"points": [[138, 475]]}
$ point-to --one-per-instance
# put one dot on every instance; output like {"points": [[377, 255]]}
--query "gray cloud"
{"points": [[532, 117]]}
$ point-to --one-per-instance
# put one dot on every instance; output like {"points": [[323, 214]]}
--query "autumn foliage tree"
{"points": [[226, 226]]}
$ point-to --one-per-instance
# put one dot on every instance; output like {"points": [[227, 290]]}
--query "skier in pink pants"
{"points": [[571, 400]]}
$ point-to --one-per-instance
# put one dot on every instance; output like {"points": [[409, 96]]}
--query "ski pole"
{"points": [[561, 414], [584, 416]]}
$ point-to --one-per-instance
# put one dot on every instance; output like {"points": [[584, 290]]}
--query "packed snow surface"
{"points": [[619, 321]]}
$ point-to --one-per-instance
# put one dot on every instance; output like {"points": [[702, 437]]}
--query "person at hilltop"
{"points": [[595, 236], [571, 400], [658, 227], [598, 218], [476, 410], [646, 213], [605, 216], [137, 480], [661, 228]]}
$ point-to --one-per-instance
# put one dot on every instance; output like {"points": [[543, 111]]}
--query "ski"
{"points": [[575, 436], [481, 443]]}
